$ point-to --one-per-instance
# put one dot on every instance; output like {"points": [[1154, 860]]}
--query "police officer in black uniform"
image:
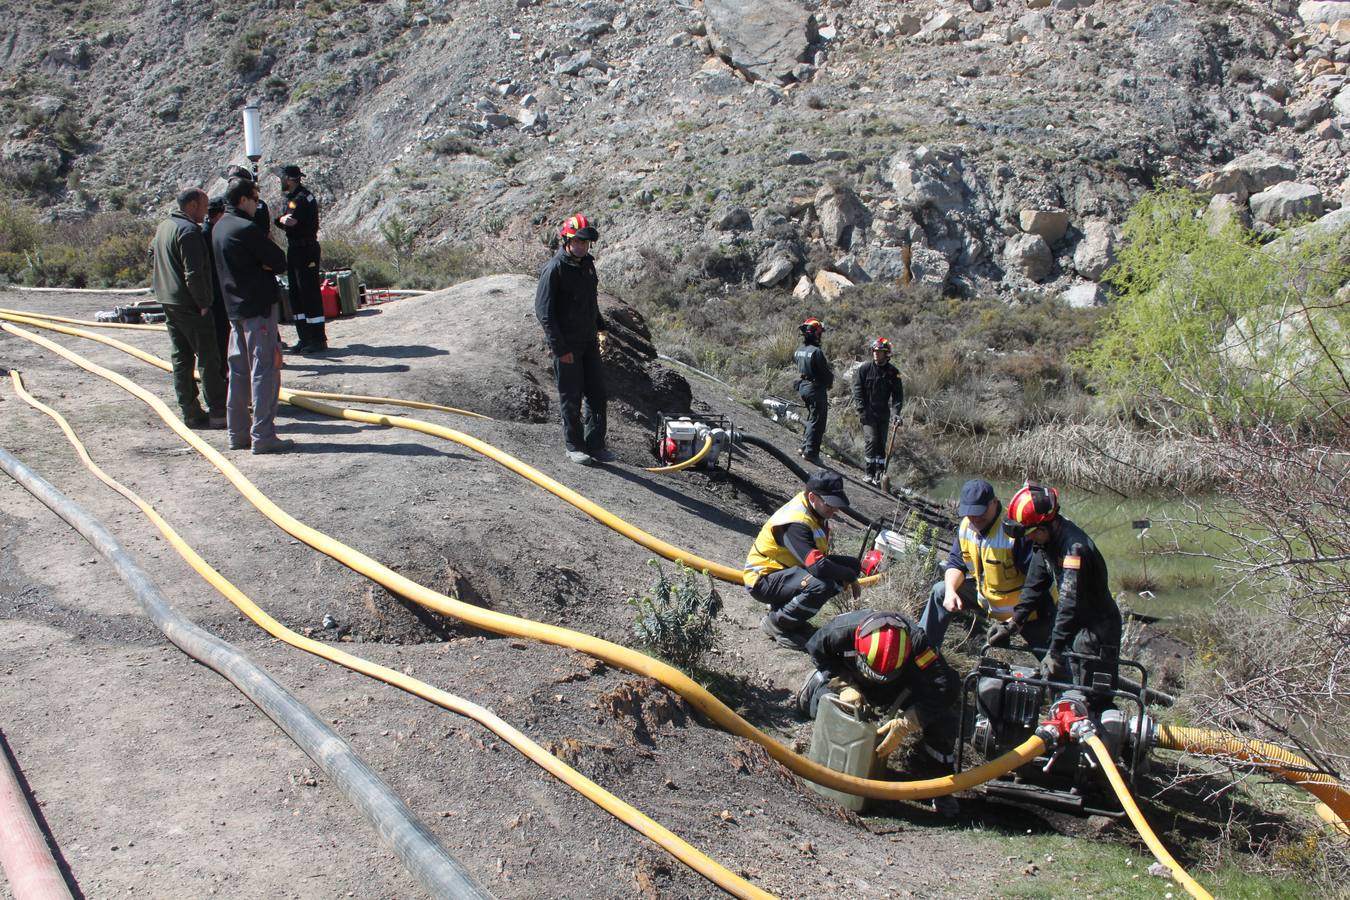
{"points": [[299, 218], [813, 387]]}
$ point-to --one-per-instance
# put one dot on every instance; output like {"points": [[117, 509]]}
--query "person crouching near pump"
{"points": [[1087, 620], [790, 566], [883, 663]]}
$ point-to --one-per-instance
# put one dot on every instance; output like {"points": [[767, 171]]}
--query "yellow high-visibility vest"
{"points": [[767, 555], [989, 560]]}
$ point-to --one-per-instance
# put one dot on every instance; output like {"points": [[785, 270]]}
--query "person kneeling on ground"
{"points": [[883, 662], [790, 566]]}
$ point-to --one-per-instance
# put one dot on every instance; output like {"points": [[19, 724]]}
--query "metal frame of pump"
{"points": [[679, 438], [1004, 702]]}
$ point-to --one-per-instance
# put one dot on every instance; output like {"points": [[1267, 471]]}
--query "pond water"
{"points": [[1150, 564]]}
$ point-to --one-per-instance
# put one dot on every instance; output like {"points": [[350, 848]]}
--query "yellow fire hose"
{"points": [[1140, 823], [1287, 765], [616, 655], [129, 326], [691, 461], [669, 551], [638, 821]]}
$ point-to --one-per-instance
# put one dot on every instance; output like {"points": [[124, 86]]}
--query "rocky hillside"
{"points": [[989, 146]]}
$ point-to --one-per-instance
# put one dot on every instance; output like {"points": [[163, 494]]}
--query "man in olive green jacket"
{"points": [[182, 280]]}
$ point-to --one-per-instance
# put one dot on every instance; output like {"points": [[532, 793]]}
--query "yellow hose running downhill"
{"points": [[1289, 766], [501, 623], [691, 461], [669, 551], [129, 326], [630, 816], [1141, 824]]}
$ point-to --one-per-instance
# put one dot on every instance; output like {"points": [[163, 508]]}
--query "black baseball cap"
{"points": [[216, 204], [291, 172], [828, 486], [976, 495]]}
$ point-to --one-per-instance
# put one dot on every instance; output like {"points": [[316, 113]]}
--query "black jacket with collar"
{"points": [[246, 263], [567, 303]]}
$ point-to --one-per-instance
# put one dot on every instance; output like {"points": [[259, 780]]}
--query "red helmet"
{"points": [[882, 344], [882, 646], [580, 227], [812, 327], [1033, 505]]}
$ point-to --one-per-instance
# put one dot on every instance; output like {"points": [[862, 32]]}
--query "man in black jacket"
{"points": [[1087, 620], [246, 266], [567, 306], [813, 386], [299, 218], [877, 393]]}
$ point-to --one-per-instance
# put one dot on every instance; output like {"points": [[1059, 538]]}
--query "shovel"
{"points": [[890, 448]]}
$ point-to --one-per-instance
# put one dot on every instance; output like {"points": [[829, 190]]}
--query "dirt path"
{"points": [[157, 778]]}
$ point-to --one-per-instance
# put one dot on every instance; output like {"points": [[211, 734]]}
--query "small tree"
{"points": [[677, 618]]}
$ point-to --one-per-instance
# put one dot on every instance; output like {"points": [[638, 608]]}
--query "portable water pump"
{"points": [[1006, 703], [680, 439]]}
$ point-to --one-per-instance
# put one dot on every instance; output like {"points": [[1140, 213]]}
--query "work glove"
{"points": [[855, 589], [890, 734], [850, 695], [1053, 667], [1000, 633]]}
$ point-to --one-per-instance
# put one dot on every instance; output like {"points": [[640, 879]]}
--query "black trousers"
{"points": [[302, 275], [794, 596], [582, 399], [1103, 642], [817, 401], [874, 442]]}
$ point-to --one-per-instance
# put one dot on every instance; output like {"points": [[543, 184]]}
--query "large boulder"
{"points": [[919, 184], [841, 214], [887, 263], [764, 40], [1050, 224], [930, 267], [1284, 201], [1029, 255], [1318, 13], [831, 285], [1084, 295], [1249, 174], [1096, 250]]}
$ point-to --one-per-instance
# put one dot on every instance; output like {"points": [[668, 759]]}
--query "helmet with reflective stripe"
{"points": [[812, 327], [580, 227], [1033, 505], [882, 344], [881, 643]]}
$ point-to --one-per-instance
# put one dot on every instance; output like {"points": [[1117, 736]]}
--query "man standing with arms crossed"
{"points": [[300, 220], [182, 283]]}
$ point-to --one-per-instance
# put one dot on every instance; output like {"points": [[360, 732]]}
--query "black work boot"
{"points": [[791, 638]]}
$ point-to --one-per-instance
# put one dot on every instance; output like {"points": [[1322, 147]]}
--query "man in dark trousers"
{"points": [[182, 281], [214, 210], [790, 566], [887, 660], [1087, 620], [567, 306], [247, 263], [877, 393], [813, 386], [299, 218]]}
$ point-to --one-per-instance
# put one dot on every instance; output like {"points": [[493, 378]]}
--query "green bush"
{"points": [[677, 619]]}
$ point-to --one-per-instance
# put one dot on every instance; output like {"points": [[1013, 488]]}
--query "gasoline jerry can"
{"points": [[347, 292], [845, 743]]}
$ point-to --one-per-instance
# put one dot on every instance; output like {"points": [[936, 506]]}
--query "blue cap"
{"points": [[976, 495]]}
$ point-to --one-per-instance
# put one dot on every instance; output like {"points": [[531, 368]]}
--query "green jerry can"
{"points": [[347, 295], [845, 743]]}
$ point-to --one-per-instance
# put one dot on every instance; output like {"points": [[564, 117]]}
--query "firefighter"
{"points": [[790, 566], [886, 660], [877, 394], [813, 386], [1086, 620], [300, 220], [984, 572], [567, 305]]}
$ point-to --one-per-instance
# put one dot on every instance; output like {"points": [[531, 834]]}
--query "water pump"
{"points": [[681, 439]]}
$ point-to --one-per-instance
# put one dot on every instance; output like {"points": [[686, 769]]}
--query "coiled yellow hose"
{"points": [[691, 461], [1286, 764], [1140, 823], [501, 623], [638, 821]]}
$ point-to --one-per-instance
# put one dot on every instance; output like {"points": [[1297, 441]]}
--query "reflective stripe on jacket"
{"points": [[768, 555], [990, 561]]}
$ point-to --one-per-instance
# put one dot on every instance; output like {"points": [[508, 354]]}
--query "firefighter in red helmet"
{"points": [[568, 309], [815, 378], [1086, 620], [886, 660], [878, 393]]}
